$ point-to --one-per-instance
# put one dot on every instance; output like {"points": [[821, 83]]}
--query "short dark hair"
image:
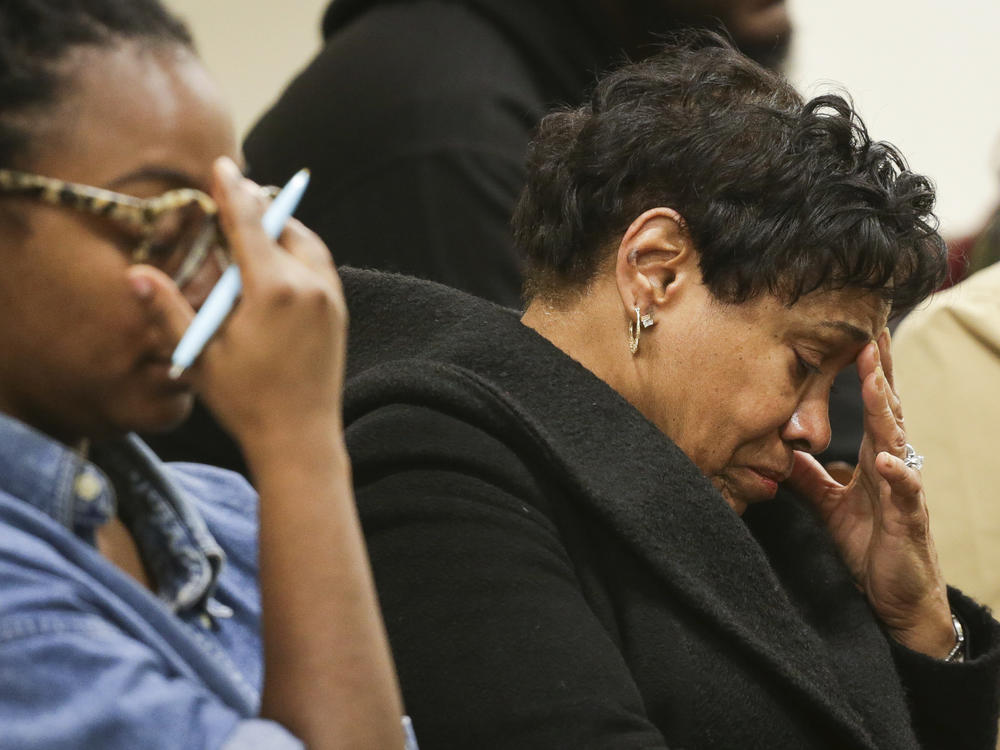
{"points": [[36, 34], [778, 195]]}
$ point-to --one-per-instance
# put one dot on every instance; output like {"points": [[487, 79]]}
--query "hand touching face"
{"points": [[276, 365], [741, 387], [82, 355], [879, 517]]}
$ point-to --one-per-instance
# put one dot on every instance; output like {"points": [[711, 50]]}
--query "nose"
{"points": [[808, 429]]}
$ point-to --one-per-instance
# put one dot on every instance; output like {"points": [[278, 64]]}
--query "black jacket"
{"points": [[415, 119], [555, 573]]}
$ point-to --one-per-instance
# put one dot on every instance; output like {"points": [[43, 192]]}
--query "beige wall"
{"points": [[924, 74], [252, 46]]}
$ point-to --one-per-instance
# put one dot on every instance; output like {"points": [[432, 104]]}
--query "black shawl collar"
{"points": [[417, 342]]}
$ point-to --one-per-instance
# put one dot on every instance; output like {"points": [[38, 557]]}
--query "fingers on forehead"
{"points": [[867, 359], [882, 419], [241, 209], [885, 353]]}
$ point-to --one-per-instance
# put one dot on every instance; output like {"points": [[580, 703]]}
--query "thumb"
{"points": [[162, 300], [809, 479], [841, 471]]}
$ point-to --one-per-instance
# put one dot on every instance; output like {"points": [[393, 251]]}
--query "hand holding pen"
{"points": [[223, 296], [272, 376], [278, 360]]}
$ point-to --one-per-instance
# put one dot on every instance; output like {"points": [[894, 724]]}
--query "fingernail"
{"points": [[142, 286], [879, 377]]}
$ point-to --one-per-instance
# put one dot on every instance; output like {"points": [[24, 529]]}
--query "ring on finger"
{"points": [[912, 459]]}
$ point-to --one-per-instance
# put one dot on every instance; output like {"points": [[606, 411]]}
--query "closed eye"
{"points": [[804, 367]]}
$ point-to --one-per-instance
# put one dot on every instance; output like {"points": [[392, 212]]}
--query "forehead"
{"points": [[129, 106], [854, 315]]}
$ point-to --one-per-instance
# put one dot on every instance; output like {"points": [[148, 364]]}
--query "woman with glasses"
{"points": [[145, 605]]}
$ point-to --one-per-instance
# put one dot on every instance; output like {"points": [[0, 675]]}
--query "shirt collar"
{"points": [[123, 477]]}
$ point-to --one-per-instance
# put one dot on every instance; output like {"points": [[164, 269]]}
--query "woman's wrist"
{"points": [[317, 437], [935, 636], [315, 447]]}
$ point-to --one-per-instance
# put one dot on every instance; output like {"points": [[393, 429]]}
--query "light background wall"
{"points": [[924, 74]]}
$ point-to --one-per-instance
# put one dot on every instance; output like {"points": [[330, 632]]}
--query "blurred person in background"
{"points": [[948, 356]]}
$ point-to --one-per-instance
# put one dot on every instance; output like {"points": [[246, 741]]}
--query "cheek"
{"points": [[748, 418], [765, 411], [85, 317]]}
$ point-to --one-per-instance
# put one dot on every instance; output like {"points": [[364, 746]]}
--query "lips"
{"points": [[763, 481], [156, 360], [775, 475]]}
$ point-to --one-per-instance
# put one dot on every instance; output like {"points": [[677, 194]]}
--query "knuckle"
{"points": [[282, 292], [310, 293], [300, 230], [898, 442], [316, 297]]}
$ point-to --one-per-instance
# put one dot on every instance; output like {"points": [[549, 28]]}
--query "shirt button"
{"points": [[87, 486]]}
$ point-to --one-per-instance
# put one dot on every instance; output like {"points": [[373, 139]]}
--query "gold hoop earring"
{"points": [[633, 333], [635, 327]]}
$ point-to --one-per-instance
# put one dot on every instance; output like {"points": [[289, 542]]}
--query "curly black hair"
{"points": [[779, 195], [35, 35]]}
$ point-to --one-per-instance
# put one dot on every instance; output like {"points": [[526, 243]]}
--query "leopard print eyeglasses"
{"points": [[176, 231]]}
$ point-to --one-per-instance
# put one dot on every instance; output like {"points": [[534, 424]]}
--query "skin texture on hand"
{"points": [[879, 518]]}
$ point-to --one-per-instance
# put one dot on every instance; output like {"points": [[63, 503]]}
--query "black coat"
{"points": [[555, 573], [415, 119]]}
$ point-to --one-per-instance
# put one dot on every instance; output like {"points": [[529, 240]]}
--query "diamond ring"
{"points": [[912, 459]]}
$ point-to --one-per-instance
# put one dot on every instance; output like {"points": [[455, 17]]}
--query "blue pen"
{"points": [[227, 289]]}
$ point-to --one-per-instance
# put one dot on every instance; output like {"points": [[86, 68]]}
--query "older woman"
{"points": [[572, 517], [131, 599]]}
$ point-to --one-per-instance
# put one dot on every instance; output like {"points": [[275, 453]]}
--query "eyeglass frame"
{"points": [[138, 212]]}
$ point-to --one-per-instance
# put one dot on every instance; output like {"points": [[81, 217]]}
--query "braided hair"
{"points": [[35, 35]]}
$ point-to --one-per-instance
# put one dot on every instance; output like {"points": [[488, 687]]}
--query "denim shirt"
{"points": [[91, 659], [88, 657]]}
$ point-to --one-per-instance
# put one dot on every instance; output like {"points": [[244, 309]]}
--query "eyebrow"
{"points": [[163, 174], [857, 334]]}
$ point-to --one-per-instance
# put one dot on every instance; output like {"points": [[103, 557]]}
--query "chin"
{"points": [[738, 497], [162, 415]]}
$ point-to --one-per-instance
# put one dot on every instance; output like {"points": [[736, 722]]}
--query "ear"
{"points": [[656, 258]]}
